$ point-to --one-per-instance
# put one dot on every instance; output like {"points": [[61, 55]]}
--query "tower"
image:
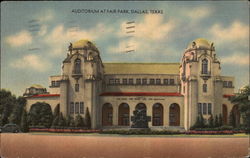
{"points": [[82, 73], [201, 84]]}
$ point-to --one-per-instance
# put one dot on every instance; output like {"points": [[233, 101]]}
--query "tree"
{"points": [[211, 122], [241, 99], [7, 104], [24, 122], [87, 119], [220, 120], [70, 122], [61, 120], [232, 119], [216, 122], [56, 111], [40, 115], [79, 121]]}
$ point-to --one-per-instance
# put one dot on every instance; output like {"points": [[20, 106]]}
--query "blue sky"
{"points": [[35, 35]]}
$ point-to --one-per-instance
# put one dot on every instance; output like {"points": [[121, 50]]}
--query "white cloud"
{"points": [[19, 39], [236, 32], [33, 62], [58, 39], [237, 58], [43, 30], [197, 13], [148, 37], [153, 27]]}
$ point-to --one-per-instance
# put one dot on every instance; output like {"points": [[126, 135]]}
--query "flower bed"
{"points": [[64, 130]]}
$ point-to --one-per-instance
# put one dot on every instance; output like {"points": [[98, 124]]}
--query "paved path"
{"points": [[87, 146]]}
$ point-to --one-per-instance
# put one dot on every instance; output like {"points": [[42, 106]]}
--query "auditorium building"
{"points": [[173, 94]]}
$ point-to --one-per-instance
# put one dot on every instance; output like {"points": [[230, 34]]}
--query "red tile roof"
{"points": [[139, 94], [44, 95], [228, 95]]}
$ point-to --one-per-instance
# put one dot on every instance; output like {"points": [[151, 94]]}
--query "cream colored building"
{"points": [[173, 94]]}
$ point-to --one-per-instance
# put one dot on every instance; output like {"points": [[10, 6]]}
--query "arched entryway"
{"points": [[224, 114], [236, 115], [107, 115], [123, 115], [174, 115], [157, 115]]}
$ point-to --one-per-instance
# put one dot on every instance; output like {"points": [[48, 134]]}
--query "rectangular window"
{"points": [[111, 81], [209, 107], [152, 81], [204, 88], [138, 81], [172, 81], [224, 83], [77, 107], [199, 108], [117, 81], [158, 81], [71, 108], [144, 81], [53, 83], [124, 81], [165, 81], [230, 84], [183, 89], [204, 108], [77, 87], [130, 81], [57, 83], [81, 107]]}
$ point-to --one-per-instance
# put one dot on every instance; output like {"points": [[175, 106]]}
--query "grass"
{"points": [[240, 135]]}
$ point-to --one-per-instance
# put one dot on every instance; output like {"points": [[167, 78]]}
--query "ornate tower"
{"points": [[201, 83], [82, 74]]}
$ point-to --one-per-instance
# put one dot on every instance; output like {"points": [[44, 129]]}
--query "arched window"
{"points": [[174, 115], [77, 66], [123, 115], [204, 66], [157, 115]]}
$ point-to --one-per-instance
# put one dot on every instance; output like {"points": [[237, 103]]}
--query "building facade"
{"points": [[173, 94]]}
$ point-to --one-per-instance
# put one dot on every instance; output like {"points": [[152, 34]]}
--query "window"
{"points": [[53, 83], [230, 84], [209, 107], [117, 81], [77, 87], [204, 88], [224, 83], [71, 107], [81, 108], [144, 81], [204, 108], [130, 81], [158, 81], [165, 81], [111, 81], [204, 66], [138, 81], [172, 81], [77, 107], [199, 108], [152, 81], [124, 81], [183, 89], [77, 69], [57, 83]]}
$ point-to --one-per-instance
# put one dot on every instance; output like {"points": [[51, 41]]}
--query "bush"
{"points": [[87, 119]]}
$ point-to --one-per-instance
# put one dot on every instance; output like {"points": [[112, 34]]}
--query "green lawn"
{"points": [[243, 135]]}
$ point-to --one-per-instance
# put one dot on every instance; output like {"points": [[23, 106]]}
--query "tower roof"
{"points": [[200, 43], [83, 43]]}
